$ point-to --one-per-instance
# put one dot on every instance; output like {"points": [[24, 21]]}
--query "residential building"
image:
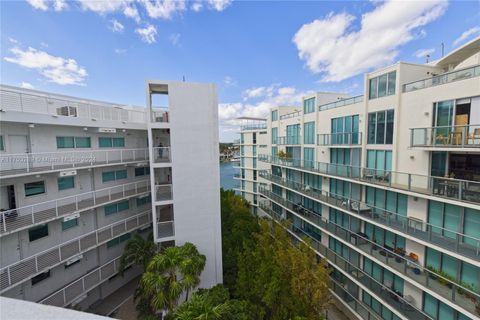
{"points": [[79, 178], [386, 186]]}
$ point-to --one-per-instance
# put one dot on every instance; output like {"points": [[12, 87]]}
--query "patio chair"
{"points": [[474, 137]]}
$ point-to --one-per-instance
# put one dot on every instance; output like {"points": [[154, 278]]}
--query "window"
{"points": [[380, 160], [380, 127], [118, 240], [391, 201], [293, 134], [274, 115], [142, 171], [144, 200], [309, 105], [383, 85], [2, 145], [345, 130], [109, 142], [34, 188], [308, 157], [40, 277], [309, 133], [274, 135], [114, 175], [66, 183], [73, 142], [254, 138], [38, 232], [116, 207], [69, 224]]}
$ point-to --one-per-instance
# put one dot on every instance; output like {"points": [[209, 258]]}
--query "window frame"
{"points": [[63, 178], [42, 234], [35, 194]]}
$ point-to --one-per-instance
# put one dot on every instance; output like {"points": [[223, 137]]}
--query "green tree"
{"points": [[138, 251], [168, 275]]}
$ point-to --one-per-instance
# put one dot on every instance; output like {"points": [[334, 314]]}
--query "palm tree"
{"points": [[171, 273], [138, 251], [198, 307]]}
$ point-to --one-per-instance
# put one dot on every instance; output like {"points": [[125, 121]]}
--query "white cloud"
{"points": [[39, 4], [59, 5], [260, 92], [26, 85], [116, 26], [229, 81], [44, 44], [422, 53], [196, 6], [132, 12], [120, 51], [219, 5], [56, 69], [163, 8], [331, 48], [175, 39], [147, 34], [466, 35], [103, 6], [12, 40]]}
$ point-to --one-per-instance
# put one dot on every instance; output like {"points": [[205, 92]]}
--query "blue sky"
{"points": [[259, 54]]}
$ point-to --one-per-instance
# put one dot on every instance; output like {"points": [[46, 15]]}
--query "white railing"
{"points": [[25, 269], [13, 164], [341, 103], [161, 154], [161, 115], [163, 192], [25, 217], [165, 229], [60, 106]]}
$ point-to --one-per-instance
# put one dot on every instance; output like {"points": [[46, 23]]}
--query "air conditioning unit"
{"points": [[107, 130], [74, 259], [68, 173], [71, 217]]}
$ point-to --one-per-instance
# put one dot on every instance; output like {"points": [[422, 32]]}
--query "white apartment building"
{"points": [[386, 186], [80, 177]]}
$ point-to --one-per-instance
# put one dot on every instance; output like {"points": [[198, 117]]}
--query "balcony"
{"points": [[394, 299], [453, 137], [341, 103], [257, 126], [462, 296], [291, 115], [455, 189], [27, 163], [21, 271], [453, 241], [160, 115], [289, 140], [443, 79], [163, 192], [165, 229], [25, 217], [348, 139], [161, 155]]}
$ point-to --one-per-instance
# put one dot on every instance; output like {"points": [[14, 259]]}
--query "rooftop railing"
{"points": [[341, 103], [456, 189], [57, 106], [467, 136], [463, 296], [22, 163], [466, 245], [13, 220], [256, 126], [383, 291], [340, 139], [161, 154], [21, 271], [291, 115], [463, 74]]}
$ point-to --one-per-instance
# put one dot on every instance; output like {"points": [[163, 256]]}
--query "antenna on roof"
{"points": [[443, 49], [183, 78], [427, 57]]}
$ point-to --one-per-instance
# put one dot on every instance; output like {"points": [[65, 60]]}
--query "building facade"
{"points": [[386, 186], [80, 177]]}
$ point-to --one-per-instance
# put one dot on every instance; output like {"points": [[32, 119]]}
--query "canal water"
{"points": [[226, 175]]}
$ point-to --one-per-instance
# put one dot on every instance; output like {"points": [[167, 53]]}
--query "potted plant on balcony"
{"points": [[400, 253], [283, 156], [433, 272]]}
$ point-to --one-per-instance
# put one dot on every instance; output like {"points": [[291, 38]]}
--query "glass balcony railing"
{"points": [[455, 189], [160, 115], [447, 239], [442, 79], [341, 103], [291, 115], [256, 126], [393, 298], [467, 298], [165, 229], [289, 140], [446, 136], [161, 154], [339, 139], [163, 192]]}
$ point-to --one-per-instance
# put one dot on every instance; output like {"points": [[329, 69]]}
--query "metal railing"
{"points": [[291, 115], [341, 103], [451, 240], [393, 298], [257, 126], [456, 189], [163, 192], [21, 163], [442, 79], [463, 136], [60, 106], [161, 154], [341, 138], [27, 268], [25, 217], [289, 140], [89, 281], [161, 115], [165, 229], [462, 296]]}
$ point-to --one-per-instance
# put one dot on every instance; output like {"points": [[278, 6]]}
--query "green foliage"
{"points": [[283, 155], [238, 225], [138, 251]]}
